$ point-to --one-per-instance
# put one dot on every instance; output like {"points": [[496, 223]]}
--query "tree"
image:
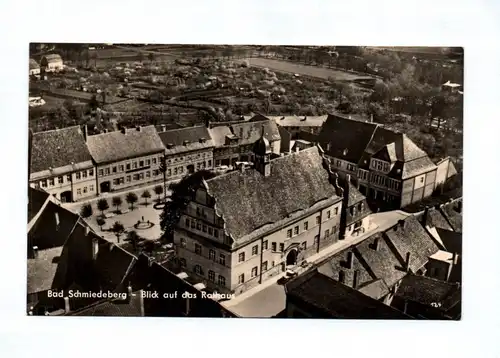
{"points": [[102, 205], [151, 57], [101, 222], [131, 198], [146, 195], [86, 211], [182, 193], [133, 238], [118, 229], [117, 202], [163, 169], [158, 191]]}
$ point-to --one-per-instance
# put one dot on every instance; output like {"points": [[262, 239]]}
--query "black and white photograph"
{"points": [[245, 181]]}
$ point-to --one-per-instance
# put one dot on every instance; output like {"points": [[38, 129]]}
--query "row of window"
{"points": [[200, 226], [135, 177], [254, 272], [128, 166], [189, 158], [79, 190], [296, 229], [61, 179], [380, 165], [221, 280]]}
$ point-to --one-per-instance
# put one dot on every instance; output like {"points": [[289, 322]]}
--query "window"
{"points": [[183, 242], [181, 169], [84, 189], [198, 270], [336, 211], [198, 226], [273, 246], [264, 266], [91, 172], [357, 224], [193, 224], [241, 278], [51, 181], [289, 233], [79, 191], [204, 228], [339, 163], [304, 245], [79, 175], [264, 245], [318, 219], [327, 233], [91, 188], [334, 229], [296, 230], [341, 276], [128, 166], [210, 231], [422, 179], [282, 247], [241, 257], [182, 262], [198, 211], [351, 167], [128, 178], [134, 165], [106, 171], [148, 162], [211, 255], [148, 174], [222, 259], [197, 249], [121, 168], [154, 160], [115, 169], [68, 177], [216, 233], [222, 281], [254, 271], [136, 177], [211, 275], [255, 250], [272, 263], [169, 172], [209, 163], [44, 183], [116, 181], [101, 172], [60, 180]]}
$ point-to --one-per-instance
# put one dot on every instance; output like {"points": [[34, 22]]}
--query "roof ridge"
{"points": [[57, 129], [179, 129]]}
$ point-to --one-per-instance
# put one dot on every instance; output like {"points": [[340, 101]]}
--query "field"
{"points": [[304, 70]]}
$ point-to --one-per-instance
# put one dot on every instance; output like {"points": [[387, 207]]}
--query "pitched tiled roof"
{"points": [[417, 166], [426, 290], [375, 289], [338, 300], [33, 64], [36, 200], [247, 132], [44, 272], [53, 58], [114, 146], [339, 133], [381, 260], [453, 212], [186, 139], [248, 200], [58, 148], [435, 218], [299, 121], [113, 264], [413, 239]]}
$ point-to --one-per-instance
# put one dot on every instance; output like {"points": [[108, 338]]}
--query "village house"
{"points": [[254, 223], [60, 163], [234, 141], [296, 124], [34, 68], [390, 169], [125, 158], [52, 63], [187, 150]]}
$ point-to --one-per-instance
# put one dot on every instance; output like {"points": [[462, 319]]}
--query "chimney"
{"points": [[343, 211], [139, 128], [87, 230], [85, 132], [455, 258], [170, 145], [355, 279], [186, 142], [95, 249], [35, 252], [202, 140], [424, 217], [350, 259], [407, 261], [297, 149], [163, 127], [401, 223], [371, 118], [304, 119], [129, 292], [56, 216], [123, 130], [66, 305]]}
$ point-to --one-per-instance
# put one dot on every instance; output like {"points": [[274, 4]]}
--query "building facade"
{"points": [[390, 169], [248, 225], [52, 63], [126, 158], [61, 164], [187, 150], [234, 141], [294, 124]]}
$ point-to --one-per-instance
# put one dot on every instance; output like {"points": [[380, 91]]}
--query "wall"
{"points": [[417, 188], [177, 163], [82, 184], [126, 176]]}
